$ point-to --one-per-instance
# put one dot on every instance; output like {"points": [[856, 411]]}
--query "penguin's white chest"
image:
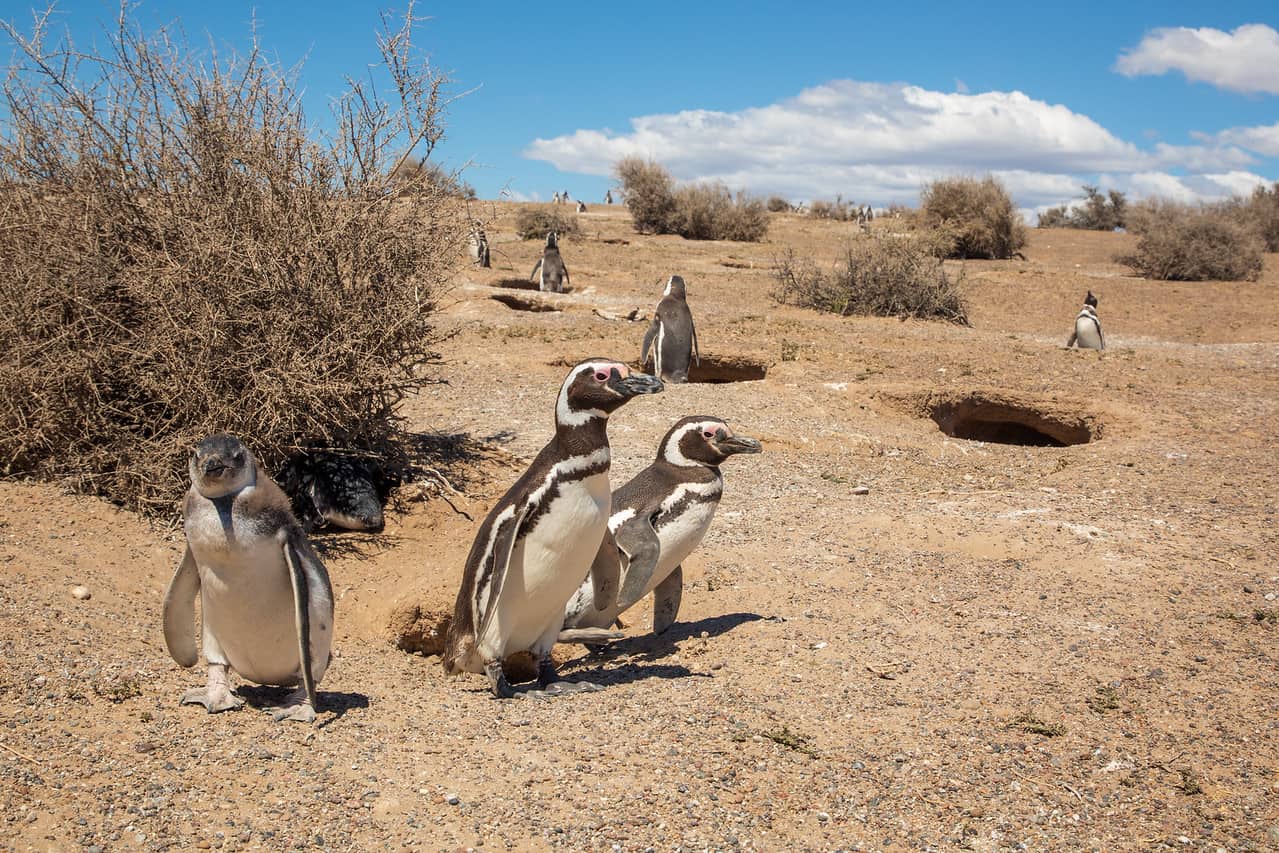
{"points": [[247, 606], [1087, 332], [547, 566], [680, 537]]}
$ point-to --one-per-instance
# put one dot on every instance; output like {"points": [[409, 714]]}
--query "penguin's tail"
{"points": [[589, 636]]}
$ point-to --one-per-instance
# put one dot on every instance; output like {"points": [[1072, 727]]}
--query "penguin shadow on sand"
{"points": [[333, 703]]}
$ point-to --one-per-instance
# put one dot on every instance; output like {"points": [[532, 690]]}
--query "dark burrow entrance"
{"points": [[520, 302], [979, 418], [715, 370]]}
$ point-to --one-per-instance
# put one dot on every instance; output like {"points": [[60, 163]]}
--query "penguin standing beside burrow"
{"points": [[266, 604], [542, 539], [478, 246], [671, 336], [659, 518], [1087, 333], [554, 275]]}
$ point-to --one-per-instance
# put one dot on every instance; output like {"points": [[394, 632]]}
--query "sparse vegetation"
{"points": [[184, 253], [1031, 724], [533, 222], [777, 204], [1099, 212], [705, 211], [1183, 243], [791, 740], [1261, 212], [434, 174], [1106, 698], [879, 276], [838, 210], [978, 216]]}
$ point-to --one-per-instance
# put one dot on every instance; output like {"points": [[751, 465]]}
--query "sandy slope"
{"points": [[848, 670]]}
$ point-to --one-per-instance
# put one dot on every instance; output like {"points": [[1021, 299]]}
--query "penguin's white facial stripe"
{"points": [[617, 519], [674, 455], [565, 415], [670, 282]]}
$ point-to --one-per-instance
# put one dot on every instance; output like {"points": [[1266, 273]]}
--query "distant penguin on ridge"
{"points": [[1087, 333], [671, 337]]}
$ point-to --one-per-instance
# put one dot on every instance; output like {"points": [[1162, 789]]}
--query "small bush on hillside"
{"points": [[1261, 212], [434, 175], [879, 276], [649, 191], [1099, 212], [704, 211], [533, 222], [777, 204], [838, 210], [709, 211], [1183, 243], [978, 214], [182, 253]]}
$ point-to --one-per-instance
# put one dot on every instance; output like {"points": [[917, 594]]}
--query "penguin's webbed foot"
{"points": [[213, 700], [297, 708], [497, 681], [546, 672]]}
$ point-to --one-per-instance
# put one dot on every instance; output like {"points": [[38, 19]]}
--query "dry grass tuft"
{"points": [[1183, 243], [183, 254], [978, 215], [880, 276], [534, 222]]}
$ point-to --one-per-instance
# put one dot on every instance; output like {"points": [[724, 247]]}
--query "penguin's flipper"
{"points": [[697, 353], [666, 598], [1101, 336], [649, 336], [302, 563], [564, 267], [179, 611], [637, 539], [606, 573], [503, 545], [536, 266], [1074, 336]]}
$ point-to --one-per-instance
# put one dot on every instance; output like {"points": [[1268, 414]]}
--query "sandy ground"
{"points": [[999, 647]]}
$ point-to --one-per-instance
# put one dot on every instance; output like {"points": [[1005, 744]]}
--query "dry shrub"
{"points": [[777, 204], [1261, 212], [649, 191], [703, 211], [450, 181], [534, 222], [182, 253], [838, 210], [978, 214], [1183, 243], [892, 276], [1098, 212]]}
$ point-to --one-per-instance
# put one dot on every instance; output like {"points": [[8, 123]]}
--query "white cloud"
{"points": [[880, 143], [1264, 140], [1245, 60]]}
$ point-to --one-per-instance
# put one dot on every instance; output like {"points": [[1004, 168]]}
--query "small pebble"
{"points": [[81, 593], [823, 817], [1270, 596], [452, 799], [861, 490], [1249, 588]]}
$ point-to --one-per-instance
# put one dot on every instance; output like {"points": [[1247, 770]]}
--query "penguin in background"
{"points": [[554, 275], [671, 337], [1087, 333]]}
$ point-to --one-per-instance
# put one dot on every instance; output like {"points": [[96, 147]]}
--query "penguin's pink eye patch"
{"points": [[708, 433], [601, 376]]}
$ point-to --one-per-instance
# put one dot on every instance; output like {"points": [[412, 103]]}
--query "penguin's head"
{"points": [[675, 287], [220, 465], [597, 387], [703, 440], [552, 241], [1090, 300]]}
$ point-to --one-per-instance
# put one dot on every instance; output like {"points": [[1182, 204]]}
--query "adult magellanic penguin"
{"points": [[1087, 332], [660, 517], [671, 337], [542, 538], [554, 275], [266, 602]]}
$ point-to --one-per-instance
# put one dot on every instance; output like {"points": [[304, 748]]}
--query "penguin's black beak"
{"points": [[214, 467], [739, 444], [635, 384]]}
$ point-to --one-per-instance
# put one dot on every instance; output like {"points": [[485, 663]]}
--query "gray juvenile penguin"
{"points": [[660, 517], [1087, 332], [554, 273], [543, 537], [671, 336], [266, 602]]}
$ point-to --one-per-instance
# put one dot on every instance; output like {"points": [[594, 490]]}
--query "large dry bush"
{"points": [[978, 214], [889, 276], [838, 210], [1098, 212], [1261, 212], [649, 191], [182, 252], [534, 222], [777, 204], [701, 211], [1183, 243]]}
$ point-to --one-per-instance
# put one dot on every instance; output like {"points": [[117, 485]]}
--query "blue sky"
{"points": [[810, 100]]}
